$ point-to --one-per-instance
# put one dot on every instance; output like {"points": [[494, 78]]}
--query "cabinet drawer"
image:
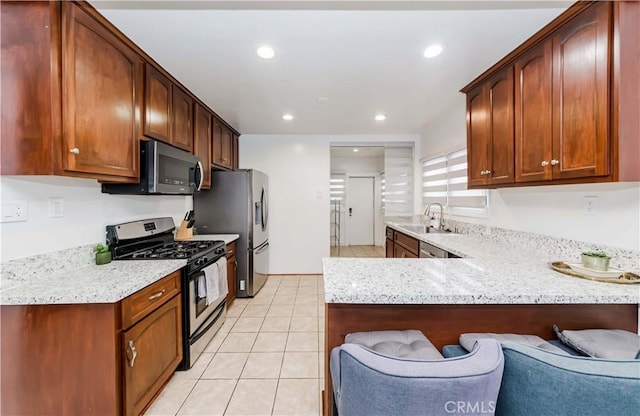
{"points": [[390, 233], [146, 300], [231, 249], [409, 243], [402, 253]]}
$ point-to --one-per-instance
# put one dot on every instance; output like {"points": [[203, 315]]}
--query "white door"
{"points": [[360, 211]]}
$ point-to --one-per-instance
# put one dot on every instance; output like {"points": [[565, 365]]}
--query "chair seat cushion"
{"points": [[402, 344], [468, 340], [613, 344]]}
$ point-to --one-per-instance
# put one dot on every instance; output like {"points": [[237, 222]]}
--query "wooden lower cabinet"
{"points": [[83, 359], [232, 269], [388, 246], [403, 253], [151, 353]]}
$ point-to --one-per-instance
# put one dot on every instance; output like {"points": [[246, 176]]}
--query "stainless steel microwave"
{"points": [[164, 170]]}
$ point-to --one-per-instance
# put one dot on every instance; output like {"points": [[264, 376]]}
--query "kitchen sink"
{"points": [[423, 229]]}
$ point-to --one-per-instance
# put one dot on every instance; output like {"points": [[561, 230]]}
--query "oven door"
{"points": [[198, 309]]}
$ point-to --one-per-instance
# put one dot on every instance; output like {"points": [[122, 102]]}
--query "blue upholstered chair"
{"points": [[367, 383], [538, 382]]}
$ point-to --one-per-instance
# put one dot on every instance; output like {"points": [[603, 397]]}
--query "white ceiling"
{"points": [[363, 152], [363, 61]]}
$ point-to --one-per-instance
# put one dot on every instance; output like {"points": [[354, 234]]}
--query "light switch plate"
{"points": [[590, 205], [56, 207]]}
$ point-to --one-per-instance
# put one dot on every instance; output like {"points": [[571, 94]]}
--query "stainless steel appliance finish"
{"points": [[237, 203], [164, 170], [153, 240], [430, 251]]}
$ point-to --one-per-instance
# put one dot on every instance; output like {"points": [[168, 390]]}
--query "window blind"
{"points": [[397, 185], [444, 180]]}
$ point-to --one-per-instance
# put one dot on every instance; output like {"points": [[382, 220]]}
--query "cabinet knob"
{"points": [[544, 163], [75, 151], [554, 162]]}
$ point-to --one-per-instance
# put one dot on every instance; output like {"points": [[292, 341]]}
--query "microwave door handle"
{"points": [[201, 175]]}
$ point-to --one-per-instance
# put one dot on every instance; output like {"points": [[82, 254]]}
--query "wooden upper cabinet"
{"points": [[581, 95], [236, 152], [158, 106], [102, 97], [182, 123], [501, 157], [202, 142], [490, 131], [477, 136], [533, 114], [222, 154]]}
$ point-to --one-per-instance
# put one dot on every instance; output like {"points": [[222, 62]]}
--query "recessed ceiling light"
{"points": [[322, 100], [432, 51], [287, 117], [265, 52], [380, 117], [356, 150]]}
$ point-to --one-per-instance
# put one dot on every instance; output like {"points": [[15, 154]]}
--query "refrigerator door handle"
{"points": [[263, 210], [262, 248]]}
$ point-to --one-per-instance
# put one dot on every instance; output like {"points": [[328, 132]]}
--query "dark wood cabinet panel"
{"points": [[232, 271], [101, 98], [202, 142], [157, 104], [403, 253], [236, 152], [222, 157], [581, 95], [151, 352], [533, 114], [388, 248], [146, 300], [477, 136], [182, 122], [408, 243], [501, 149]]}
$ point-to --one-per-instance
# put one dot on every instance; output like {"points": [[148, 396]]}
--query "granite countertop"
{"points": [[71, 277], [227, 238], [490, 272]]}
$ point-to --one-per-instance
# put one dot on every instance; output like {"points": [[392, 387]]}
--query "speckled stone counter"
{"points": [[227, 238], [71, 277]]}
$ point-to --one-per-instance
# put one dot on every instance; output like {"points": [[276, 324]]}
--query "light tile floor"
{"points": [[267, 359], [358, 251]]}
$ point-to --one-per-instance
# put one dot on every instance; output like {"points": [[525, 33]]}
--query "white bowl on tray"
{"points": [[612, 273]]}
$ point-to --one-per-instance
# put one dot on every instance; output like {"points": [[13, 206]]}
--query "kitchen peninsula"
{"points": [[495, 287]]}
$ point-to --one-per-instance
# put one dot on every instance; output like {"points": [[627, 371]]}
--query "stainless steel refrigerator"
{"points": [[237, 204]]}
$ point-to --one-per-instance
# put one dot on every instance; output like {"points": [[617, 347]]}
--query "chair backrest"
{"points": [[539, 382], [369, 383]]}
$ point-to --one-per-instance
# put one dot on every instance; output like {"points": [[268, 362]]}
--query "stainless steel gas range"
{"points": [[152, 239]]}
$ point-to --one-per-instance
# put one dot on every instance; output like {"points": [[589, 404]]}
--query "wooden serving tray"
{"points": [[626, 278]]}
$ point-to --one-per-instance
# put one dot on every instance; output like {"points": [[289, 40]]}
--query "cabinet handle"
{"points": [[132, 353], [235, 265], [554, 162], [544, 163], [157, 295], [403, 255], [75, 151]]}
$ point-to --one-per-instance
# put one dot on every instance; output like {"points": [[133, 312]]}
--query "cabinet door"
{"points": [[477, 136], [388, 248], [501, 157], [182, 122], [157, 104], [581, 95], [102, 97], [402, 253], [533, 117], [216, 145], [152, 350], [227, 148], [232, 267], [236, 154], [203, 136]]}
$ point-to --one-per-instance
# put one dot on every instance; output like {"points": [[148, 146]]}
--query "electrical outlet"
{"points": [[14, 211], [590, 205], [56, 207]]}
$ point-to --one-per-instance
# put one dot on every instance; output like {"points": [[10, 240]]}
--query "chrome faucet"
{"points": [[427, 211]]}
